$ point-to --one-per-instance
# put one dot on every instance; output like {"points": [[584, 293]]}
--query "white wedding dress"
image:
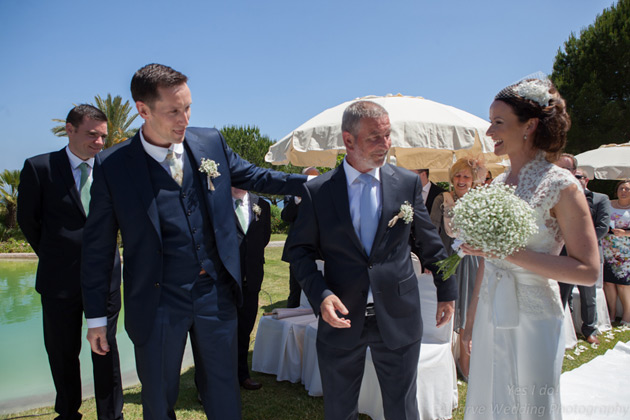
{"points": [[518, 339]]}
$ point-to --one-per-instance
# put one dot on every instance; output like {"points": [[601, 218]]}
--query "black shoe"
{"points": [[250, 385]]}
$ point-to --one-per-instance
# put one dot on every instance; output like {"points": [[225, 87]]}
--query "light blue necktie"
{"points": [[84, 187], [368, 211]]}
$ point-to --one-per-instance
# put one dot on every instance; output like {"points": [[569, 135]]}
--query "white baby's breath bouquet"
{"points": [[491, 218]]}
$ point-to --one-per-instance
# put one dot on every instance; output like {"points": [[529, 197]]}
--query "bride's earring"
{"points": [[525, 137]]}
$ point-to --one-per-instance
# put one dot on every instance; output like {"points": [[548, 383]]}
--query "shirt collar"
{"points": [[75, 161], [157, 152], [427, 187], [352, 174]]}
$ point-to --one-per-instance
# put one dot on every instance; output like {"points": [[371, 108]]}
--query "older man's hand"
{"points": [[328, 310]]}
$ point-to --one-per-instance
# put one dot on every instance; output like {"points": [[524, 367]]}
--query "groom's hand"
{"points": [[328, 309], [98, 340], [445, 311]]}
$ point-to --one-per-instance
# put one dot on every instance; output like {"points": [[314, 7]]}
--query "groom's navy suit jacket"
{"points": [[123, 197], [324, 230]]}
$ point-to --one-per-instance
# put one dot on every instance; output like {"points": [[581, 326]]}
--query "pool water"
{"points": [[25, 379]]}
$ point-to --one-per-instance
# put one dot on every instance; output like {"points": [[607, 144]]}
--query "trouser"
{"points": [[62, 319], [341, 372], [208, 314], [588, 305], [246, 320]]}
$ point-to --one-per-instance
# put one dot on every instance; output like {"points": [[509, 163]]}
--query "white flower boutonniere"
{"points": [[256, 209], [405, 213], [210, 168]]}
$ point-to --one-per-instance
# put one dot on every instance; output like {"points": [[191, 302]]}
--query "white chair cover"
{"points": [[278, 346]]}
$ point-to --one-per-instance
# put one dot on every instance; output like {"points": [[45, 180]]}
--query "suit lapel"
{"points": [[140, 176], [389, 207], [341, 203], [62, 164], [196, 149]]}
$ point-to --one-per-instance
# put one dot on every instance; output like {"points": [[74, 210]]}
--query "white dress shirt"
{"points": [[425, 193], [159, 153], [75, 161]]}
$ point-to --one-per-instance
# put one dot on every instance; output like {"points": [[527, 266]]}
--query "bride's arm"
{"points": [[472, 307], [581, 264]]}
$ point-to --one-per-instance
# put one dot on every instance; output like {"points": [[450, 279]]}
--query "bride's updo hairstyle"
{"points": [[535, 98]]}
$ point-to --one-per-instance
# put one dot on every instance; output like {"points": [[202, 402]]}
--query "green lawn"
{"points": [[284, 400]]}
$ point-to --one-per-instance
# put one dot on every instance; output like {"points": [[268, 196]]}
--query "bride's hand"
{"points": [[469, 250], [467, 340]]}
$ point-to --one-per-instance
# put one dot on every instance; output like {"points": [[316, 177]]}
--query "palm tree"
{"points": [[9, 181], [118, 120]]}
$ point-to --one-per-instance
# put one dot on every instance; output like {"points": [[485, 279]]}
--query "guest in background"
{"points": [[464, 175], [616, 247], [53, 203], [253, 222], [599, 205], [429, 189], [289, 214]]}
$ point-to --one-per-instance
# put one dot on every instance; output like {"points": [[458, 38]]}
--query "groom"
{"points": [[368, 295], [182, 272]]}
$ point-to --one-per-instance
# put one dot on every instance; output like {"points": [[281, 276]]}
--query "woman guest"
{"points": [[464, 175], [516, 308], [616, 247]]}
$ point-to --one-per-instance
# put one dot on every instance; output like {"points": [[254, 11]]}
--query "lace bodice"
{"points": [[540, 184]]}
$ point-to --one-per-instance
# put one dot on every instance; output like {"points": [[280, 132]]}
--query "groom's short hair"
{"points": [[147, 80], [355, 112]]}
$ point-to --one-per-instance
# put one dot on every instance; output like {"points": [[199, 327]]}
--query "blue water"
{"points": [[24, 370]]}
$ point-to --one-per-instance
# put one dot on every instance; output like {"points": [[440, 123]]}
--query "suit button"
{"points": [[183, 195], [194, 230], [198, 247], [189, 212], [370, 266], [157, 284]]}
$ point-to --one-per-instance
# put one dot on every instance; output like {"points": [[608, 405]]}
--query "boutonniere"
{"points": [[405, 213], [256, 209], [210, 168]]}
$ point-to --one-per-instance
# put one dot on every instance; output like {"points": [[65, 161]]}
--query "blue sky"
{"points": [[273, 64]]}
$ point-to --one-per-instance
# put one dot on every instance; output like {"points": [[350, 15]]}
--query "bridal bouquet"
{"points": [[491, 218]]}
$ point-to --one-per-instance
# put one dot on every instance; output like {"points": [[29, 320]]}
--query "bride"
{"points": [[516, 316]]}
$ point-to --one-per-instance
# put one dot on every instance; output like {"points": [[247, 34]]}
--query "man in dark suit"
{"points": [[52, 207], [253, 229], [368, 294], [429, 189], [168, 190], [599, 204], [289, 214]]}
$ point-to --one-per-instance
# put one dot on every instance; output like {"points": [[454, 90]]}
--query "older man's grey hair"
{"points": [[355, 112]]}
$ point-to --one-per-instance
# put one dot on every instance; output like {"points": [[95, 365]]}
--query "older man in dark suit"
{"points": [[52, 208], [168, 190], [368, 294]]}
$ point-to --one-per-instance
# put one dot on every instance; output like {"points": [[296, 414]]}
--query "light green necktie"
{"points": [[84, 188], [240, 213]]}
